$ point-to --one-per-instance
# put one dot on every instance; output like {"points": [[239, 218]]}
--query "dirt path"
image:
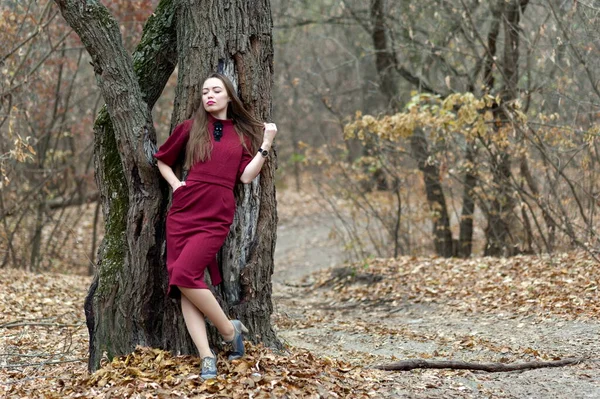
{"points": [[374, 335]]}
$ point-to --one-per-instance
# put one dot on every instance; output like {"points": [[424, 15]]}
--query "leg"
{"points": [[194, 321], [207, 305]]}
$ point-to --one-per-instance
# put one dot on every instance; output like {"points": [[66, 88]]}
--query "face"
{"points": [[215, 98]]}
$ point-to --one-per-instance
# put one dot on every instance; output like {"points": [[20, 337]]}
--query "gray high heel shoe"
{"points": [[237, 343]]}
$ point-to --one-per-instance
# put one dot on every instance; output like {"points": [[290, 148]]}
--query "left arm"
{"points": [[254, 167]]}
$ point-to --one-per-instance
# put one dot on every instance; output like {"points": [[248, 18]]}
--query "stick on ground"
{"points": [[406, 365]]}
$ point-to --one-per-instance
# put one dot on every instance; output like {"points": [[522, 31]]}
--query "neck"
{"points": [[220, 115]]}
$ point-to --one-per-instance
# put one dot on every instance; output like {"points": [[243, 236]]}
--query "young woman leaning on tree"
{"points": [[223, 145]]}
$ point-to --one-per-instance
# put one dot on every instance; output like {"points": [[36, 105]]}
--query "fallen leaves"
{"points": [[563, 285], [43, 340], [43, 354], [260, 374]]}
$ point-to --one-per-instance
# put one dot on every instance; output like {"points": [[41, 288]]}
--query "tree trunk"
{"points": [[236, 41], [465, 240], [385, 59], [126, 305], [535, 191], [389, 77], [124, 301], [499, 238], [442, 236]]}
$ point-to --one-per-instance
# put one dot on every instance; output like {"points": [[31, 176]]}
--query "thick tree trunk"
{"points": [[235, 38], [126, 305]]}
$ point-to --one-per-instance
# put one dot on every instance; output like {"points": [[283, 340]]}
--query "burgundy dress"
{"points": [[201, 211]]}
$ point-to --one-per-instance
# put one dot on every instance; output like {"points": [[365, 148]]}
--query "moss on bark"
{"points": [[114, 247]]}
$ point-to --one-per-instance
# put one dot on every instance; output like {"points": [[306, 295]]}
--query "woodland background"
{"points": [[453, 128], [432, 128]]}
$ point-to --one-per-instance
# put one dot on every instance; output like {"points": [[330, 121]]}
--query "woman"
{"points": [[223, 144]]}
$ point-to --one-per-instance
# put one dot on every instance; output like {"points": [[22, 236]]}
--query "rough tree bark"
{"points": [[126, 305], [235, 38]]}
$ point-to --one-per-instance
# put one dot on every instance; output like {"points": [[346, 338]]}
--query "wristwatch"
{"points": [[262, 152]]}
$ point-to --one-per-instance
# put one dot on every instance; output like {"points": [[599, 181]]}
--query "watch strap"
{"points": [[262, 152]]}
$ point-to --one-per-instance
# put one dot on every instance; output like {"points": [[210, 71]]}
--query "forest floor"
{"points": [[338, 321], [480, 310]]}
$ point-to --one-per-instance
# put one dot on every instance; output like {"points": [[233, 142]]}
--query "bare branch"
{"points": [[579, 57]]}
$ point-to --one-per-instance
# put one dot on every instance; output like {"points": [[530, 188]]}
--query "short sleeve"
{"points": [[247, 156], [170, 151]]}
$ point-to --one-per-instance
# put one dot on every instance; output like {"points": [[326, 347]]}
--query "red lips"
{"points": [[210, 103]]}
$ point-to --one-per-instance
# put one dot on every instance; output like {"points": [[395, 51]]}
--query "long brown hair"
{"points": [[199, 145]]}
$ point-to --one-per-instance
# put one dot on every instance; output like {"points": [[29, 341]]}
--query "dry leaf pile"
{"points": [[260, 374], [153, 373], [43, 354], [565, 285]]}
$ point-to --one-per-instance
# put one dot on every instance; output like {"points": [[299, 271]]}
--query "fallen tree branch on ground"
{"points": [[411, 364], [13, 325], [20, 365]]}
